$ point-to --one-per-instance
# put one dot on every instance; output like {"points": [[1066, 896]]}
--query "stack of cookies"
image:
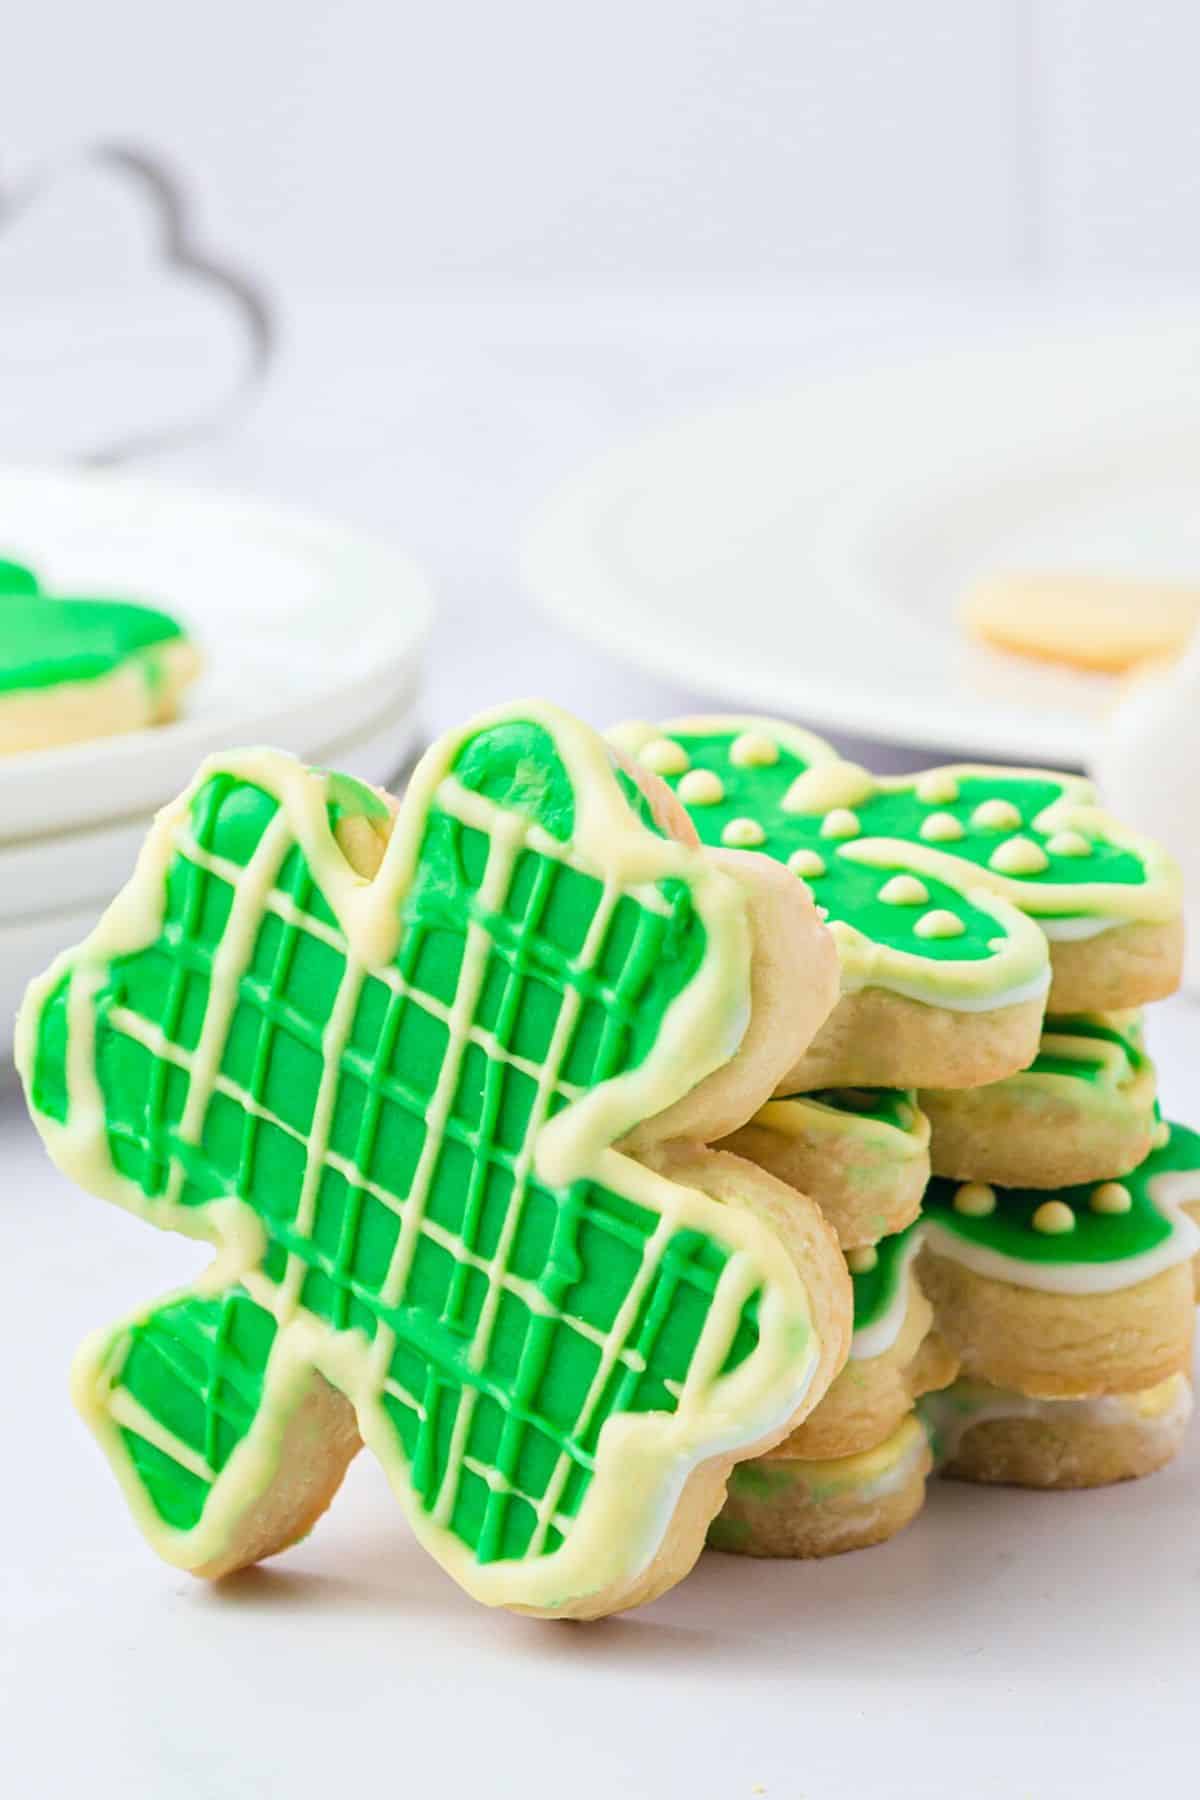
{"points": [[553, 1147], [978, 1122]]}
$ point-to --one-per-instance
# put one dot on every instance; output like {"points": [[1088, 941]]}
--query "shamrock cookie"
{"points": [[788, 1506], [895, 1357], [1085, 1292], [862, 1154], [393, 1068], [1083, 1110], [942, 890], [73, 669], [981, 1433]]}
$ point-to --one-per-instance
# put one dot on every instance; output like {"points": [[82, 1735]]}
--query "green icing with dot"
{"points": [[45, 639], [849, 890], [878, 1289], [537, 1275], [889, 814], [1096, 1238]]}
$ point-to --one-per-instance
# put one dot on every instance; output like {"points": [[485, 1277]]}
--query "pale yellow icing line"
{"points": [[131, 1414]]}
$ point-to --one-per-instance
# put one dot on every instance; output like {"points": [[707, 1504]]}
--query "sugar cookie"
{"points": [[1086, 621], [862, 1154], [1083, 1110], [1018, 870], [780, 1504], [783, 1505], [73, 669], [981, 1433], [1063, 1296], [381, 1063]]}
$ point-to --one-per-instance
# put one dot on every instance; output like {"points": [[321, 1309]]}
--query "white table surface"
{"points": [[1009, 1644]]}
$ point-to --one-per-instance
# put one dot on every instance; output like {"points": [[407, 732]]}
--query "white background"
{"points": [[503, 237], [364, 144]]}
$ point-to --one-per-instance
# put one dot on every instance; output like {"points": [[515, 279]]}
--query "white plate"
{"points": [[807, 552], [306, 628], [52, 874], [52, 892]]}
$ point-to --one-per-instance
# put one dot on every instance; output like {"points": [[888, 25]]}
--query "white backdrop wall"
{"points": [[387, 143]]}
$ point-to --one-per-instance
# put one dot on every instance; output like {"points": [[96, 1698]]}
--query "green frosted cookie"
{"points": [[80, 668], [382, 1071], [950, 894]]}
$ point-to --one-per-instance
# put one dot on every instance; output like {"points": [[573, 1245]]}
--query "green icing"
{"points": [[15, 578], [899, 814], [896, 1107], [878, 1289], [197, 1365], [45, 639], [850, 889], [1096, 1237], [517, 766], [1080, 1067]]}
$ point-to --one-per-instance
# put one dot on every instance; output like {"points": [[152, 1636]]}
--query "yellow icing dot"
{"points": [[743, 834], [975, 1200], [1111, 1197], [862, 1260], [941, 828], [937, 788], [1069, 843], [996, 815], [1162, 1134], [939, 924], [664, 756], [1053, 1217], [753, 750], [806, 863], [1019, 856], [840, 823], [904, 890], [700, 787]]}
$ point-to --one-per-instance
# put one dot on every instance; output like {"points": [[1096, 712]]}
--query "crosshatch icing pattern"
{"points": [[360, 1106]]}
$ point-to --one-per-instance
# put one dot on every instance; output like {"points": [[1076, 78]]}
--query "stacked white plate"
{"points": [[312, 638]]}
